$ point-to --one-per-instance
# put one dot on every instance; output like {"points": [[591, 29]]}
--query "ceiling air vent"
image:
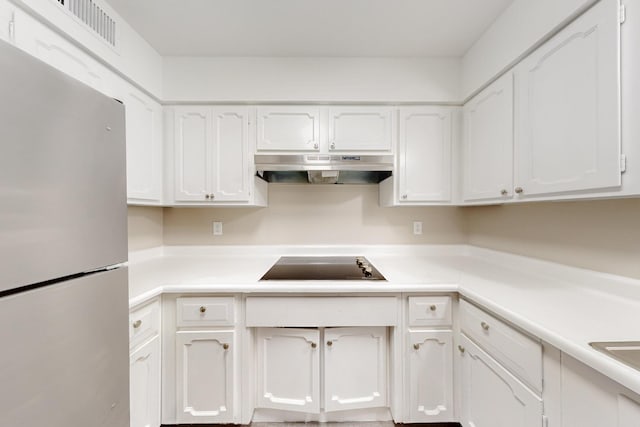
{"points": [[94, 17]]}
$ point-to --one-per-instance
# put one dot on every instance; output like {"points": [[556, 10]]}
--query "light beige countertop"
{"points": [[564, 306]]}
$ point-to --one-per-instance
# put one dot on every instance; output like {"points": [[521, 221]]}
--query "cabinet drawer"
{"points": [[216, 311], [429, 311], [306, 311], [144, 323], [516, 351]]}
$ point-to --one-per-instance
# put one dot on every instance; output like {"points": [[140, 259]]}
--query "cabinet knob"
{"points": [[432, 307], [416, 346], [404, 197], [207, 196], [484, 325], [504, 192], [519, 190], [203, 309], [313, 345], [137, 324], [333, 145], [225, 346], [329, 343], [461, 348], [315, 146], [211, 196]]}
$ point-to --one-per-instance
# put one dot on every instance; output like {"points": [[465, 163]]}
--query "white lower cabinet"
{"points": [[430, 375], [355, 368], [205, 376], [289, 375], [144, 372], [290, 372], [491, 396], [587, 398]]}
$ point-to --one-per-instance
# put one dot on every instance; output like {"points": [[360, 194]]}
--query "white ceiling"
{"points": [[310, 27]]}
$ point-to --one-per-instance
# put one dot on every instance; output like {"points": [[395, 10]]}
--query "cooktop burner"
{"points": [[323, 268]]}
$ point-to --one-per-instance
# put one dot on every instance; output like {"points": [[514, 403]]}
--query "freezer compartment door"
{"points": [[62, 174], [64, 359]]}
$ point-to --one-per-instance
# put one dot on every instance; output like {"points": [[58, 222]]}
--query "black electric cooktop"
{"points": [[323, 268]]}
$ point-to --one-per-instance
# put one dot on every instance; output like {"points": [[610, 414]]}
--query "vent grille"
{"points": [[94, 17]]}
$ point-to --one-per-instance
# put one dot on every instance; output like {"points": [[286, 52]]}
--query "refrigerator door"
{"points": [[62, 174], [64, 359]]}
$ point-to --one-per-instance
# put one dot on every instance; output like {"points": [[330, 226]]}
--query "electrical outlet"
{"points": [[417, 227], [217, 228]]}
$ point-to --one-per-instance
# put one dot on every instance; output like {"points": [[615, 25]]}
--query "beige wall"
{"points": [[315, 214], [145, 227], [600, 235]]}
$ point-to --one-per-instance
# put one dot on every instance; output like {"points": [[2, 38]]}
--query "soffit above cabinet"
{"points": [[342, 28]]}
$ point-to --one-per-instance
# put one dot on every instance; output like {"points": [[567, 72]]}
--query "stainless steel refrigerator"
{"points": [[63, 239]]}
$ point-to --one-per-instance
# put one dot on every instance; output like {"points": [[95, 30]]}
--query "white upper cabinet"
{"points": [[288, 128], [424, 155], [144, 146], [361, 129], [192, 151], [568, 108], [50, 47], [487, 148], [231, 161], [211, 154]]}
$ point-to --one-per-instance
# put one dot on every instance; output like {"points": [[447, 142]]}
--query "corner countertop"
{"points": [[564, 306]]}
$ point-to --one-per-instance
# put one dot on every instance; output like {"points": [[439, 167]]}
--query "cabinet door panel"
{"points": [[231, 152], [192, 153], [488, 143], [425, 154], [204, 377], [144, 145], [288, 129], [361, 128], [430, 376], [288, 372], [355, 368], [491, 396], [568, 126], [145, 385]]}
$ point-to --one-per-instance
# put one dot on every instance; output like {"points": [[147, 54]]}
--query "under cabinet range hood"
{"points": [[324, 168]]}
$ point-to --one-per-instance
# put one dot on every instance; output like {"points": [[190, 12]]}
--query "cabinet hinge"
{"points": [[623, 13], [623, 163]]}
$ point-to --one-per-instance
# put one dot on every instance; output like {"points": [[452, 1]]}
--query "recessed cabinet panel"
{"points": [[424, 158], [361, 128], [568, 115], [491, 396], [192, 142], [488, 143], [355, 368], [204, 376], [231, 152], [144, 387], [430, 376], [288, 369], [288, 128]]}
